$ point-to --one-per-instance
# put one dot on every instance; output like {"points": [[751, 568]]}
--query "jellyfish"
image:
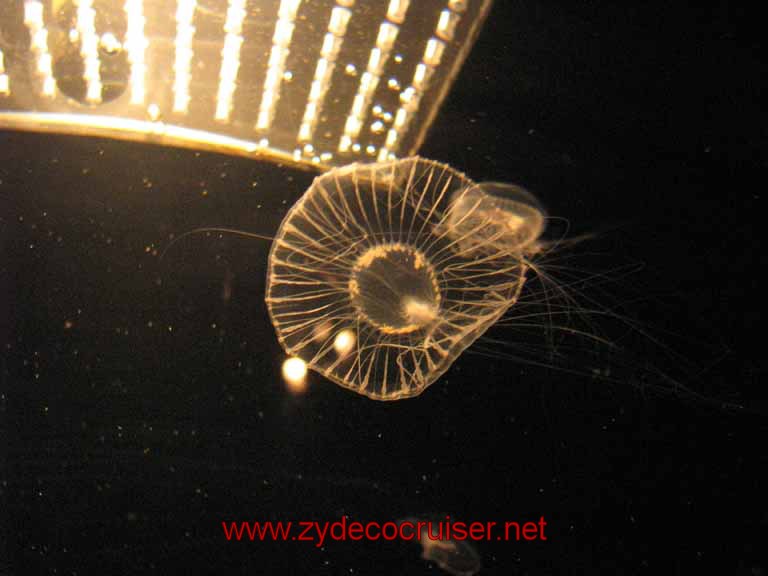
{"points": [[500, 216], [382, 274], [455, 556]]}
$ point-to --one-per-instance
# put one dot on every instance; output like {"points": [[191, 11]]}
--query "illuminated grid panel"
{"points": [[320, 82]]}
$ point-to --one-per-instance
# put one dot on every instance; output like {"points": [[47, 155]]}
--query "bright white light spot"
{"points": [[153, 111], [109, 43], [295, 374], [344, 342]]}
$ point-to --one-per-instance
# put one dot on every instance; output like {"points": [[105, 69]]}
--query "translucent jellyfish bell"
{"points": [[377, 257], [495, 215], [455, 556]]}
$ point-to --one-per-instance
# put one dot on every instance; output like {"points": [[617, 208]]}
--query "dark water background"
{"points": [[141, 405]]}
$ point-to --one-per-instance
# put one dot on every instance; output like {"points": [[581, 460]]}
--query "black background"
{"points": [[141, 407]]}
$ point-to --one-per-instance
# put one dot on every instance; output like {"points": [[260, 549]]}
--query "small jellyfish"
{"points": [[500, 216], [382, 274], [457, 557]]}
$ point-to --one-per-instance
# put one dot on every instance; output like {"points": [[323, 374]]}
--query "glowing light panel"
{"points": [[320, 83]]}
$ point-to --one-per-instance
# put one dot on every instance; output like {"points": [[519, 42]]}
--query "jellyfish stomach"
{"points": [[395, 288]]}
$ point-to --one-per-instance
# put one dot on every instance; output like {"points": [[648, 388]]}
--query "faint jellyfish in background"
{"points": [[457, 557], [382, 274]]}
